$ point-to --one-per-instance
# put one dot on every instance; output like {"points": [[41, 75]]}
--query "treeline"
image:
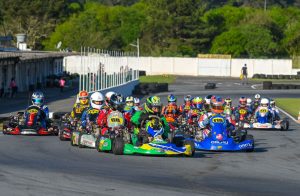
{"points": [[242, 28]]}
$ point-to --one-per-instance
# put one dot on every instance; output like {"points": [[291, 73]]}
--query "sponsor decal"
{"points": [[245, 145], [78, 110], [242, 111], [219, 142], [264, 110], [218, 120], [93, 111], [220, 147], [32, 111]]}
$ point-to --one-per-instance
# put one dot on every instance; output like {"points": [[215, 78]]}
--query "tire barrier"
{"points": [[210, 86], [147, 88], [142, 73], [280, 76], [267, 85]]}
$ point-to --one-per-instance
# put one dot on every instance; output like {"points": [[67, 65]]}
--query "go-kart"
{"points": [[18, 125], [117, 134], [150, 142], [67, 126], [86, 137], [220, 139], [263, 121]]}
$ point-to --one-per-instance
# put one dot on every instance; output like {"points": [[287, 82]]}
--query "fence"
{"points": [[102, 69]]}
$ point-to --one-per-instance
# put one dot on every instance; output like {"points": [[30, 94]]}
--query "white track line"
{"points": [[290, 116], [255, 85]]}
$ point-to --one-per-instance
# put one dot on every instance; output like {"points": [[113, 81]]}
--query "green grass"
{"points": [[276, 81], [158, 78], [290, 105]]}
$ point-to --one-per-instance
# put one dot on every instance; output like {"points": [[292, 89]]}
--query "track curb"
{"points": [[290, 116]]}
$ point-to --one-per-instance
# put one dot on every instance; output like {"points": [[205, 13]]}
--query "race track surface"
{"points": [[32, 165]]}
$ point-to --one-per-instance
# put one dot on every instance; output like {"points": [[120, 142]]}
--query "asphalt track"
{"points": [[47, 166]]}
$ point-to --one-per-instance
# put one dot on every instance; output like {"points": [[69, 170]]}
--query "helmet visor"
{"points": [[37, 101], [97, 102]]}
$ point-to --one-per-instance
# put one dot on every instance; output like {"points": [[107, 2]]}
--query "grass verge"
{"points": [[158, 78], [290, 105]]}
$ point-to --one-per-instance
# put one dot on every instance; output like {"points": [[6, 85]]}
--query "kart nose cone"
{"points": [[219, 137]]}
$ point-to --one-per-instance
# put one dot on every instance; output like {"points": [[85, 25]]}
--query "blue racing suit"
{"points": [[43, 114], [90, 114]]}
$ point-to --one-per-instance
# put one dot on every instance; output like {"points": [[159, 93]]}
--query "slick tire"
{"points": [[192, 144], [284, 125], [71, 140], [118, 146], [97, 144], [61, 136]]}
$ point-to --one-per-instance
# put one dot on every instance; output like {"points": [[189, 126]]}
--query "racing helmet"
{"points": [[37, 98], [198, 102], [83, 97], [129, 101], [97, 100], [187, 99], [249, 101], [257, 97], [228, 102], [116, 102], [217, 105], [153, 105], [108, 95], [136, 101], [208, 98], [243, 101], [272, 103], [264, 102], [172, 99]]}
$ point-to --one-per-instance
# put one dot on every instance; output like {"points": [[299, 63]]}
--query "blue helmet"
{"points": [[171, 98], [37, 98]]}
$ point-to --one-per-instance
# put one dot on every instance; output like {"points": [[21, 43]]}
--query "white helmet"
{"points": [[207, 99], [108, 95], [249, 101], [136, 101], [272, 103], [97, 100], [257, 96], [264, 102]]}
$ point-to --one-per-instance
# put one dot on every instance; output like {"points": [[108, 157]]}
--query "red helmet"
{"points": [[243, 101], [83, 97], [217, 105]]}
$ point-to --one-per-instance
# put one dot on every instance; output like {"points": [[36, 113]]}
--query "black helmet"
{"points": [[116, 101]]}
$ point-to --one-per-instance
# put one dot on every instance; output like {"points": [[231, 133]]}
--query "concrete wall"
{"points": [[125, 89], [191, 66]]}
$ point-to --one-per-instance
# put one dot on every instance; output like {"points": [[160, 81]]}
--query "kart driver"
{"points": [[82, 102], [274, 110], [264, 105], [171, 110]]}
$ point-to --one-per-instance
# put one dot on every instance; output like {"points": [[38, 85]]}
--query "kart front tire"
{"points": [[72, 144], [192, 144], [118, 146], [284, 125], [97, 144]]}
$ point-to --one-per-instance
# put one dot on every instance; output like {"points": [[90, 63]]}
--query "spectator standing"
{"points": [[13, 87], [62, 84], [244, 73]]}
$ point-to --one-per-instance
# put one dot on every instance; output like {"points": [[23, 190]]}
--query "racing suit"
{"points": [[269, 114], [242, 113], [90, 114], [43, 115], [206, 124], [140, 116], [171, 111], [184, 109], [78, 110]]}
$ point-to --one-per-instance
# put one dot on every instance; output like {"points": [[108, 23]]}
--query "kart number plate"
{"points": [[32, 111], [243, 111], [263, 110], [218, 120]]}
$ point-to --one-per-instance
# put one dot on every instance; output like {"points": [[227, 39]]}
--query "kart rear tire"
{"points": [[71, 140], [61, 137], [284, 125], [192, 144], [118, 146]]}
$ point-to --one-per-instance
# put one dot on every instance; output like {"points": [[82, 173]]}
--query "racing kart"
{"points": [[117, 134], [150, 144], [86, 137], [67, 126], [220, 139], [262, 121], [18, 125]]}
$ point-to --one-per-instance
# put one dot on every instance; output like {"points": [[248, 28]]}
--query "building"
{"points": [[29, 68]]}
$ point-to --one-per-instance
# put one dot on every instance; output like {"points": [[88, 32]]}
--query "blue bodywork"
{"points": [[218, 139]]}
